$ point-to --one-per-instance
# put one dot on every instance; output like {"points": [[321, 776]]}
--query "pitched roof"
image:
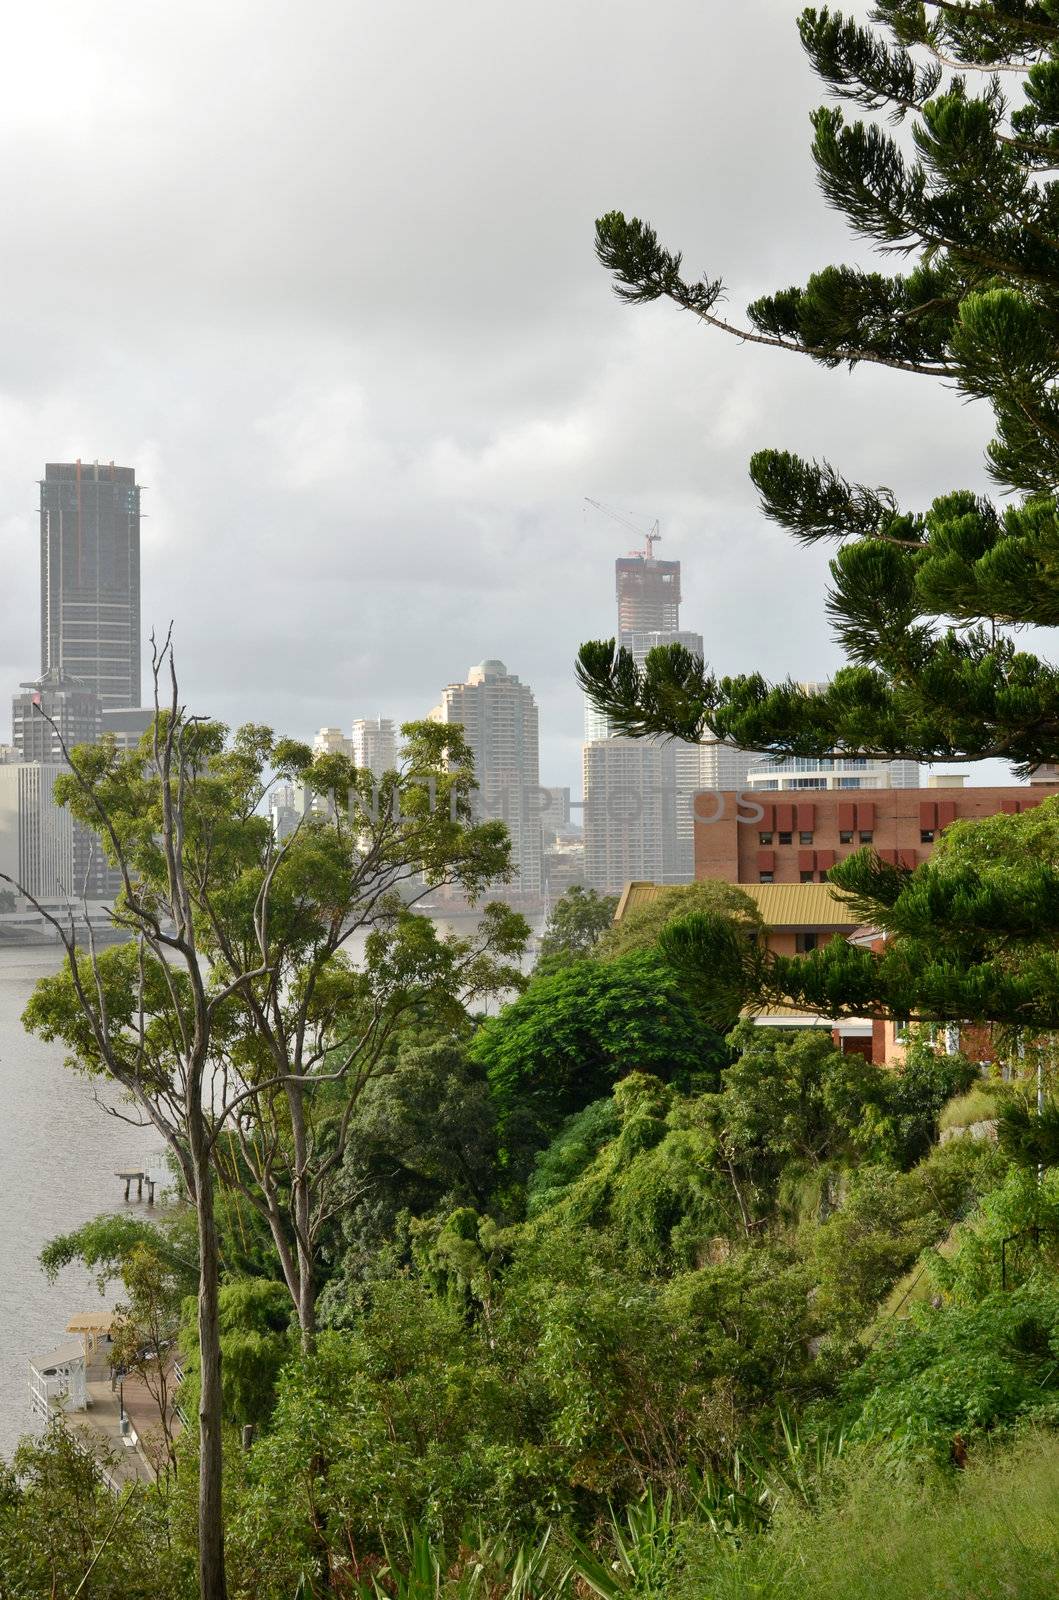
{"points": [[782, 905]]}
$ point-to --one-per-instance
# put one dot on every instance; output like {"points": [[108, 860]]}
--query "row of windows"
{"points": [[804, 877], [803, 783], [813, 764], [866, 836]]}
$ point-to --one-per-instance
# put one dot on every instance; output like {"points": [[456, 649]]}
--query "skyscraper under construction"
{"points": [[648, 594], [90, 578]]}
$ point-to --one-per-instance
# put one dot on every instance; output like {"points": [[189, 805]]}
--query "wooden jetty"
{"points": [[137, 1175]]}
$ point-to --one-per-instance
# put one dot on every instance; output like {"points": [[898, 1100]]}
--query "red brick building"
{"points": [[743, 837]]}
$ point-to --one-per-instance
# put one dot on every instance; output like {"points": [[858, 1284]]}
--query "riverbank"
{"points": [[60, 1151]]}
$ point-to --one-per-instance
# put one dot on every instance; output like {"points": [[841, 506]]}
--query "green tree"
{"points": [[571, 1036], [423, 1141], [256, 1343], [925, 602], [144, 1338], [641, 928], [233, 1019], [64, 1533], [575, 926], [968, 940]]}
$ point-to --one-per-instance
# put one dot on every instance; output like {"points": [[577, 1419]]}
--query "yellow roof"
{"points": [[782, 905], [91, 1322]]}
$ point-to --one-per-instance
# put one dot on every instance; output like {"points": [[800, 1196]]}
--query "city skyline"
{"points": [[357, 463]]}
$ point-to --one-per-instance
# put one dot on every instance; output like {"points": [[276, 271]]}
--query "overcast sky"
{"points": [[324, 275]]}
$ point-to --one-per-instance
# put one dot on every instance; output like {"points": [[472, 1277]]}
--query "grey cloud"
{"points": [[324, 274]]}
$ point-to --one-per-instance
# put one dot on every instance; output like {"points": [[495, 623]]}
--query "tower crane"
{"points": [[651, 538]]}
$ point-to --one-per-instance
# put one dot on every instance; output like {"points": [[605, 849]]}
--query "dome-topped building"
{"points": [[499, 717], [487, 670]]}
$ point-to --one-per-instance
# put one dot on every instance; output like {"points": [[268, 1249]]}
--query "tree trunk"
{"points": [[212, 1585], [302, 1207], [307, 1302]]}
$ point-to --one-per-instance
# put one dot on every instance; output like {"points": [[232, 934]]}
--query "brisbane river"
{"points": [[58, 1155], [59, 1152]]}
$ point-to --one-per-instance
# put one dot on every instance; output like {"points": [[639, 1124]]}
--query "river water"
{"points": [[58, 1155]]}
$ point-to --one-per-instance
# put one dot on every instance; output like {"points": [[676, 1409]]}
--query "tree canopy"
{"points": [[925, 600]]}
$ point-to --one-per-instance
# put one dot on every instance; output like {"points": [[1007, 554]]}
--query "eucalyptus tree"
{"points": [[233, 1012]]}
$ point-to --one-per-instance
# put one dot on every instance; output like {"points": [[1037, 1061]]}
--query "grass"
{"points": [[977, 1105], [990, 1533]]}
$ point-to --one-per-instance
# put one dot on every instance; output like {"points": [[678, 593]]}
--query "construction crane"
{"points": [[650, 538]]}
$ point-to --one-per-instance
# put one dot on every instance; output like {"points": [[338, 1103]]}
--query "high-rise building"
{"points": [[126, 725], [49, 718], [288, 804], [332, 742], [722, 765], [36, 835], [641, 641], [630, 813], [648, 593], [90, 578], [375, 745], [53, 714], [499, 718], [639, 808]]}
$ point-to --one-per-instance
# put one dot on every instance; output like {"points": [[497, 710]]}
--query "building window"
{"points": [[804, 942], [807, 877], [845, 838], [764, 877], [926, 835], [785, 838], [865, 838], [823, 876], [764, 838], [805, 838]]}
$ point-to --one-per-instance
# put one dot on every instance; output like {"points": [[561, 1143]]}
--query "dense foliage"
{"points": [[693, 1260]]}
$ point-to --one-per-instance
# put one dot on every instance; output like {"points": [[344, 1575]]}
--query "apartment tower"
{"points": [[90, 578], [499, 718]]}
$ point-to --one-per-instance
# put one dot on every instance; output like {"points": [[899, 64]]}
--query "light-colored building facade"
{"points": [[126, 725], [499, 717], [36, 835], [630, 812], [640, 809], [288, 803], [331, 742], [374, 745], [836, 771], [830, 772]]}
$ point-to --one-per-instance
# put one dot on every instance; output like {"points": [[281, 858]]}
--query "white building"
{"points": [[723, 766], [831, 772], [658, 827], [374, 744], [36, 835], [500, 721], [288, 803], [332, 742], [630, 812]]}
